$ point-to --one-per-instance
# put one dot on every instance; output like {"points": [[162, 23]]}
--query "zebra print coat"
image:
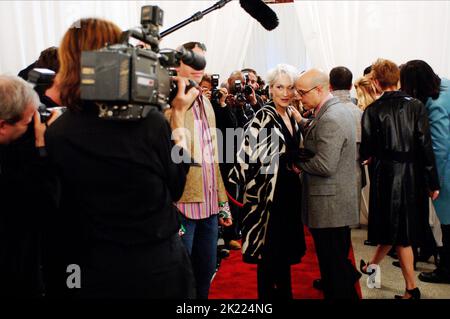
{"points": [[256, 174]]}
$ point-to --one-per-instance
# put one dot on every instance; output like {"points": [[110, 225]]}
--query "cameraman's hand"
{"points": [[182, 100], [223, 97], [40, 128]]}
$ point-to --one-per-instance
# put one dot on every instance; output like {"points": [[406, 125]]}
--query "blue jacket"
{"points": [[439, 116]]}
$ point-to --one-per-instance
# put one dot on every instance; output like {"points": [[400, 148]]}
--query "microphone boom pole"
{"points": [[197, 16]]}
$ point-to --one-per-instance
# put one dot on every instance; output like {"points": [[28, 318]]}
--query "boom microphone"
{"points": [[261, 12]]}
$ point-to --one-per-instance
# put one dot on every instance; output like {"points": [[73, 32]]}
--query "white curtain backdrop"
{"points": [[356, 33], [322, 34], [233, 38]]}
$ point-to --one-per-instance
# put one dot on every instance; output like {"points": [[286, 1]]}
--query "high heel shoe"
{"points": [[363, 265], [414, 294]]}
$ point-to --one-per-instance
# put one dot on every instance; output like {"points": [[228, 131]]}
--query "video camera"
{"points": [[215, 92], [42, 79], [126, 81]]}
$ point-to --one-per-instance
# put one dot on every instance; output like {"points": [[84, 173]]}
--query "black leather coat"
{"points": [[396, 135]]}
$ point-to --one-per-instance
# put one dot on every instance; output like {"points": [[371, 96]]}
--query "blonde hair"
{"points": [[274, 74], [366, 91]]}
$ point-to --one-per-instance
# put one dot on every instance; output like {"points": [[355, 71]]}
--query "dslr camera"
{"points": [[216, 95], [42, 79], [126, 81], [241, 93]]}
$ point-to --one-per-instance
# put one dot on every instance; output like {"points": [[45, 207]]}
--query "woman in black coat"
{"points": [[116, 220], [396, 140]]}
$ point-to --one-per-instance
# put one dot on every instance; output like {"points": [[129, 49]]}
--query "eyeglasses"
{"points": [[303, 93]]}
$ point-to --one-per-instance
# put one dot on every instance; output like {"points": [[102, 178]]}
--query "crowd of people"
{"points": [[267, 160]]}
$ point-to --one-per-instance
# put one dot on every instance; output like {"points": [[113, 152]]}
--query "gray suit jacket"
{"points": [[330, 197]]}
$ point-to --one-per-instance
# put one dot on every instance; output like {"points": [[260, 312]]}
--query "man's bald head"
{"points": [[314, 77], [313, 87]]}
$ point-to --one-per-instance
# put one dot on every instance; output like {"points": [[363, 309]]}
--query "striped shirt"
{"points": [[210, 206]]}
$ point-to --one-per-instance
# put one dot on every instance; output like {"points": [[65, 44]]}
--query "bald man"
{"points": [[330, 202]]}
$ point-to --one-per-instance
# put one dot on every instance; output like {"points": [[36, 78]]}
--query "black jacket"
{"points": [[396, 135], [28, 193], [118, 185]]}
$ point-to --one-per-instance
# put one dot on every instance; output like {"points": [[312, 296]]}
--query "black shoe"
{"points": [[317, 284], [369, 243], [414, 294], [397, 264], [362, 264], [437, 276], [224, 253]]}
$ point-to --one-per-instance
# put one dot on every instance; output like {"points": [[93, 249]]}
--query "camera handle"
{"points": [[197, 16]]}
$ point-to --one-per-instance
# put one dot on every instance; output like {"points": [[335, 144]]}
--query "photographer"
{"points": [[26, 186], [253, 80], [240, 101], [225, 119], [116, 220]]}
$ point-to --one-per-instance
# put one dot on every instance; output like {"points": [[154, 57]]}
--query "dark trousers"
{"points": [[232, 232], [337, 272], [274, 281]]}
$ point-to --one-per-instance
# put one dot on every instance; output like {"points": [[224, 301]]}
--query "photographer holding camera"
{"points": [[25, 181], [116, 220], [240, 98], [253, 80]]}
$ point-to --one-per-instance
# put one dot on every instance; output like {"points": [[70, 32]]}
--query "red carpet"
{"points": [[237, 280]]}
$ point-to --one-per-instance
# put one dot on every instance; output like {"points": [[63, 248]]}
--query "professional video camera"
{"points": [[125, 81], [42, 79], [215, 92]]}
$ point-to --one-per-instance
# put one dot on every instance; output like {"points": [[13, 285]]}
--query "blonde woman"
{"points": [[366, 91]]}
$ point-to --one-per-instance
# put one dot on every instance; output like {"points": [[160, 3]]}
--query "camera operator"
{"points": [[252, 79], [239, 100], [116, 220], [204, 203], [26, 186]]}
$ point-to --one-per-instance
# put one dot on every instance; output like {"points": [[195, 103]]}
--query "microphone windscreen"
{"points": [[195, 61], [261, 12]]}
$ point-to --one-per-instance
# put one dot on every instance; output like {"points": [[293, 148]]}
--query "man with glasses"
{"points": [[329, 200]]}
